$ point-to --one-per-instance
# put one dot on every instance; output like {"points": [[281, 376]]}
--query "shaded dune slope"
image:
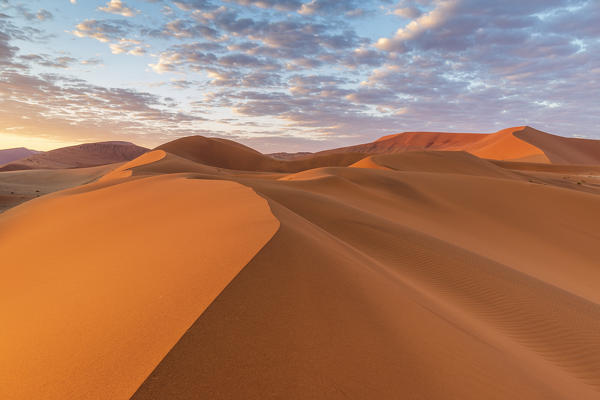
{"points": [[435, 161], [562, 150], [227, 154], [80, 156]]}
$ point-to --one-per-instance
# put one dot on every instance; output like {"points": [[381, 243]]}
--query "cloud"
{"points": [[43, 15], [283, 5], [49, 61], [103, 31], [128, 46], [442, 12], [118, 7]]}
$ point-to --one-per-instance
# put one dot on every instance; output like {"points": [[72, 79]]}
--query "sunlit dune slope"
{"points": [[80, 156], [504, 145], [411, 141], [99, 282]]}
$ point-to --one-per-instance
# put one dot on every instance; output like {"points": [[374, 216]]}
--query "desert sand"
{"points": [[205, 269]]}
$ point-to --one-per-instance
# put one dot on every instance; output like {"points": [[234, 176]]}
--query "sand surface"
{"points": [[391, 283], [218, 272], [98, 284], [17, 187]]}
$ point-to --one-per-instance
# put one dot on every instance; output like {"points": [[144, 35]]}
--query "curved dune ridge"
{"points": [[423, 284], [218, 272], [117, 275], [230, 155]]}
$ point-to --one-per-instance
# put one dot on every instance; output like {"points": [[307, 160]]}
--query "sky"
{"points": [[294, 75]]}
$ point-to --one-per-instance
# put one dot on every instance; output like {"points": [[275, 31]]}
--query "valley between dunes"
{"points": [[419, 266]]}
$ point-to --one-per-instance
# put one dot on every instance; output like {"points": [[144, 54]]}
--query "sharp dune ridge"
{"points": [[419, 266]]}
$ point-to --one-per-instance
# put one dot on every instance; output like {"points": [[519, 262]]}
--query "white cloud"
{"points": [[118, 7], [417, 26]]}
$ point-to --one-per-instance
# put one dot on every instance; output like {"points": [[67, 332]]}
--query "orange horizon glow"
{"points": [[11, 140]]}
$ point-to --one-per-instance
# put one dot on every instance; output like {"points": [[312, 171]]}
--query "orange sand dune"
{"points": [[227, 154], [412, 141], [218, 272], [80, 156], [387, 284], [504, 145], [99, 284], [521, 143]]}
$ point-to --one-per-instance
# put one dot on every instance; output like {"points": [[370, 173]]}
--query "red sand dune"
{"points": [[80, 156], [420, 275], [521, 143], [227, 154]]}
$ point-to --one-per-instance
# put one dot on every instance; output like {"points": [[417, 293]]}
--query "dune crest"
{"points": [[118, 274], [377, 278]]}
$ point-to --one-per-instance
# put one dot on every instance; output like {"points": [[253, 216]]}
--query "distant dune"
{"points": [[17, 187], [8, 155], [227, 154], [80, 156], [521, 143], [205, 269]]}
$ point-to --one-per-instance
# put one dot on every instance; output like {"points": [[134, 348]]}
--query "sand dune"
{"points": [[435, 161], [561, 150], [521, 143], [227, 154], [9, 155], [204, 269], [412, 141], [378, 278], [80, 156], [118, 274], [504, 145]]}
